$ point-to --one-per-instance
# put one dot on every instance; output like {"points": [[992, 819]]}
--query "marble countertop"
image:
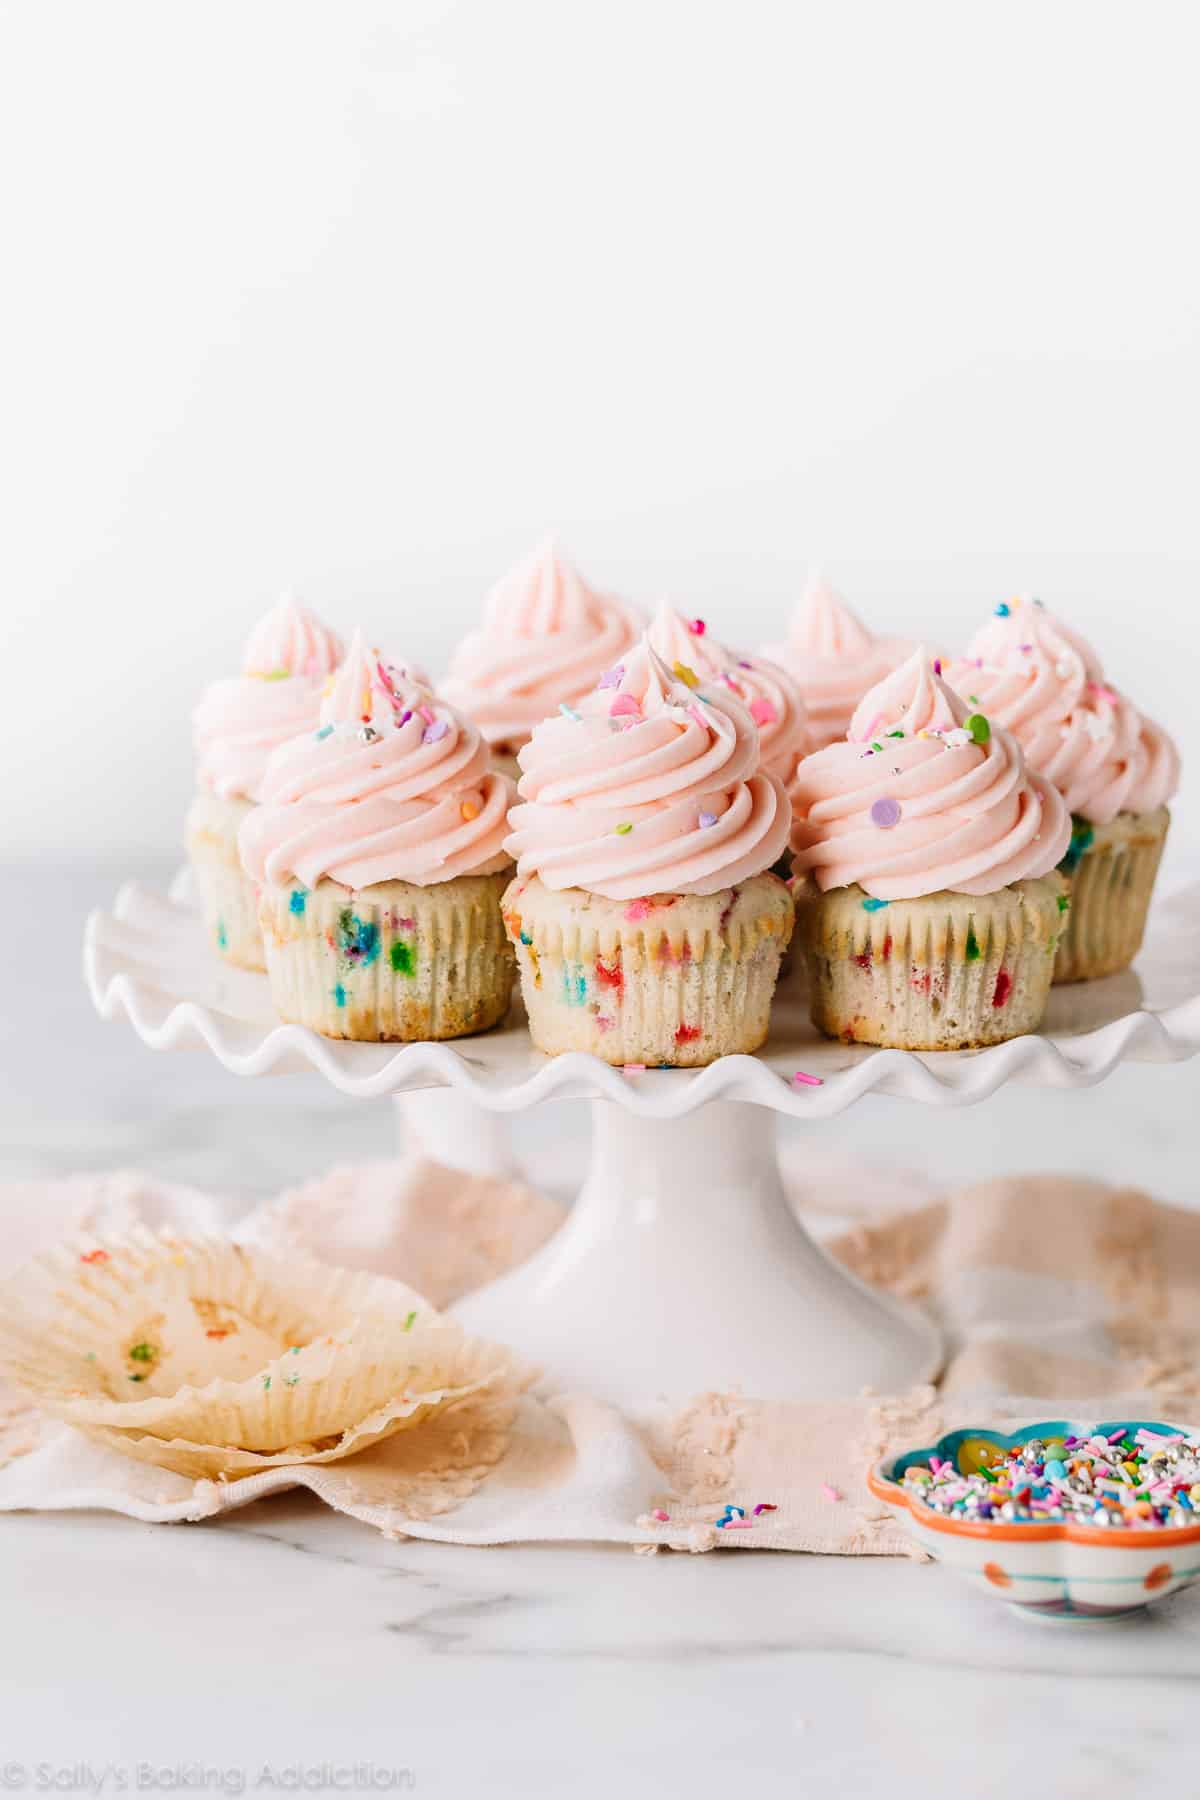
{"points": [[285, 1644]]}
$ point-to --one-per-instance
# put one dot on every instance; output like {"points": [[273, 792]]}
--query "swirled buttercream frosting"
{"points": [[833, 659], [546, 636], [648, 786], [242, 719], [767, 691], [1044, 683], [392, 785], [925, 795]]}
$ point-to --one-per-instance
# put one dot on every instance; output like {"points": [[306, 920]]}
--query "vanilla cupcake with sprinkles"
{"points": [[378, 853], [929, 906], [1115, 768], [647, 926], [238, 723]]}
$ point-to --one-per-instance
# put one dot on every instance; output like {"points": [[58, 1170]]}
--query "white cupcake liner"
{"points": [[228, 898], [211, 1358], [393, 962], [675, 980], [944, 972], [1110, 870]]}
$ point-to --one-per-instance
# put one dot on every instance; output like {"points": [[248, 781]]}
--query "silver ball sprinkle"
{"points": [[368, 735]]}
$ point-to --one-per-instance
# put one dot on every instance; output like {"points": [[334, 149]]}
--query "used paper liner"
{"points": [[944, 972], [214, 1359], [673, 979], [393, 962], [1111, 884], [228, 899]]}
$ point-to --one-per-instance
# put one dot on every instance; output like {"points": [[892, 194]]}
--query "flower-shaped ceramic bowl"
{"points": [[1057, 1569]]}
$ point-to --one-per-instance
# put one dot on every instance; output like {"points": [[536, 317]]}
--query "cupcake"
{"points": [[697, 659], [546, 636], [236, 726], [833, 659], [928, 901], [378, 854], [1115, 768], [647, 927]]}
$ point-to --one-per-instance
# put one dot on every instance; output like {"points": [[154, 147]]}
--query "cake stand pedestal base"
{"points": [[681, 1268]]}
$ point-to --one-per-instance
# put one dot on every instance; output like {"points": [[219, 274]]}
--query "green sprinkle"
{"points": [[266, 1382], [1082, 836], [137, 1378], [526, 939], [876, 747], [222, 935], [142, 1353], [290, 1380], [974, 699], [277, 675], [410, 1321], [403, 958], [622, 830], [978, 727], [1064, 900], [896, 733], [973, 950]]}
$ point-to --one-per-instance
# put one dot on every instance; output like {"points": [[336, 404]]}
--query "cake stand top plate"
{"points": [[147, 961]]}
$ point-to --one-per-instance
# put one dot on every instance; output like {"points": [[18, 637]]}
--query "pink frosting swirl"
{"points": [[833, 659], [647, 788], [546, 637], [1044, 683], [242, 719], [770, 694], [394, 785], [913, 803]]}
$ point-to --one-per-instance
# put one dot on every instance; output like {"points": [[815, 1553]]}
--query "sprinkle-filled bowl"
{"points": [[1048, 1520]]}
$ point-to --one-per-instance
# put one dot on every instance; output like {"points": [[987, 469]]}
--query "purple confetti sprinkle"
{"points": [[433, 734], [707, 819], [405, 717], [885, 813], [612, 678]]}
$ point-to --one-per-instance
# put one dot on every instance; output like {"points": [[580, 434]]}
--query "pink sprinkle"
{"points": [[765, 1506], [637, 909], [937, 665], [624, 706], [660, 1515], [698, 627], [829, 1492], [698, 716], [800, 1079], [763, 712], [736, 1524], [633, 1068], [426, 713], [1102, 693]]}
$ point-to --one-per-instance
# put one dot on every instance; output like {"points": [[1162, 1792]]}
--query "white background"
{"points": [[362, 298]]}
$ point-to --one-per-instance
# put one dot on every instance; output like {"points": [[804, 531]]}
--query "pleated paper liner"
{"points": [[393, 962], [1111, 870], [943, 972], [210, 1358], [228, 899], [674, 980]]}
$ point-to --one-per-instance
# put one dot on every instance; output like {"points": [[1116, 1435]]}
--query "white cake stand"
{"points": [[680, 1267]]}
